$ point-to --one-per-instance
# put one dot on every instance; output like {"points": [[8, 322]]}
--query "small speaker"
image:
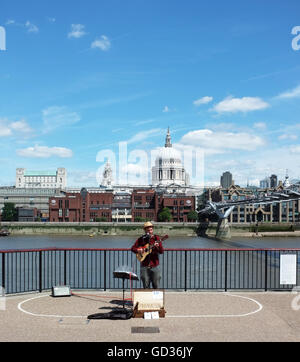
{"points": [[61, 291]]}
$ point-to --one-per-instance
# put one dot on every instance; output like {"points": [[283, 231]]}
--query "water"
{"points": [[196, 269], [105, 242]]}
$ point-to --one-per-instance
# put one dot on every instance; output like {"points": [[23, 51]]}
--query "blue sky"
{"points": [[77, 78]]}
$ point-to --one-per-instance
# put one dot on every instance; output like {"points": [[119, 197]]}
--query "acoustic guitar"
{"points": [[148, 249]]}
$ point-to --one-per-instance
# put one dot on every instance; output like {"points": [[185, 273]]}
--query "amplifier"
{"points": [[61, 291]]}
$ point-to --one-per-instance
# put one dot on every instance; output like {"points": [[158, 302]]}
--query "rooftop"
{"points": [[40, 173]]}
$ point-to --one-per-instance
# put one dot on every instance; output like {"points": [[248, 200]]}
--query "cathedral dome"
{"points": [[168, 155], [168, 168]]}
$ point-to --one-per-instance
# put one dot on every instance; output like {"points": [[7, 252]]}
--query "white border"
{"points": [[260, 307], [45, 315]]}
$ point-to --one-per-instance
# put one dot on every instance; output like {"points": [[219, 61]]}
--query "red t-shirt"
{"points": [[152, 259]]}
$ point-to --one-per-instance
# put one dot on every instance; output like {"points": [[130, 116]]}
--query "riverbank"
{"points": [[133, 229], [94, 228]]}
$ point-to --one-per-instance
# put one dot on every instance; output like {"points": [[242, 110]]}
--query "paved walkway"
{"points": [[191, 317]]}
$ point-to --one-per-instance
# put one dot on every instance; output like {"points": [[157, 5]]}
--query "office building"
{"points": [[226, 179]]}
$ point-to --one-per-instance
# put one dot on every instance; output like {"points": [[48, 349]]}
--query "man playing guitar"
{"points": [[148, 247]]}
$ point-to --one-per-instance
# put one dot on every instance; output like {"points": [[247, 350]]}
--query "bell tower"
{"points": [[168, 139]]}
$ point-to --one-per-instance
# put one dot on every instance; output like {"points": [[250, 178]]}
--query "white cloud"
{"points": [[102, 43], [55, 117], [294, 93], [45, 152], [288, 137], [295, 149], [223, 126], [31, 28], [82, 178], [245, 104], [8, 128], [220, 142], [146, 121], [77, 31], [203, 100], [10, 21], [21, 126], [5, 130], [167, 109], [145, 135], [260, 125]]}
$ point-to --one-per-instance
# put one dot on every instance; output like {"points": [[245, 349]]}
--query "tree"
{"points": [[9, 212], [164, 215], [139, 219], [101, 219], [192, 216]]}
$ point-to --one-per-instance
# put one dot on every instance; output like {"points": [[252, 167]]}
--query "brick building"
{"points": [[180, 205], [144, 204], [81, 207], [140, 204]]}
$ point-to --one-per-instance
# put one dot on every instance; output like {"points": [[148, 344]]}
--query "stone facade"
{"points": [[41, 179]]}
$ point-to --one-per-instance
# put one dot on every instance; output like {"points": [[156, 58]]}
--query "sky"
{"points": [[84, 82]]}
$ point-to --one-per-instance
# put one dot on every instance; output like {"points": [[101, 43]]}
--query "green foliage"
{"points": [[192, 216], [164, 215], [265, 228], [139, 219], [101, 219], [9, 212]]}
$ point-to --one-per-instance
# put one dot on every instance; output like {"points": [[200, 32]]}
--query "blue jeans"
{"points": [[150, 275]]}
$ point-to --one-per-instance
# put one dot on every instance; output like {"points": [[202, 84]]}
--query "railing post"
{"points": [[3, 271], [65, 267], [40, 272], [104, 270], [266, 270], [225, 270], [185, 270]]}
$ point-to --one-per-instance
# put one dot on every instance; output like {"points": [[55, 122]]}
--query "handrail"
{"points": [[23, 270], [128, 249]]}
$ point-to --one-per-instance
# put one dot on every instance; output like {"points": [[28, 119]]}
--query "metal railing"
{"points": [[185, 269]]}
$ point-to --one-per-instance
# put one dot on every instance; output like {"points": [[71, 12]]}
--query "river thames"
{"points": [[115, 242]]}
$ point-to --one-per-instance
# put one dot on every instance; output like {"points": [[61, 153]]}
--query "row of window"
{"points": [[149, 215]]}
